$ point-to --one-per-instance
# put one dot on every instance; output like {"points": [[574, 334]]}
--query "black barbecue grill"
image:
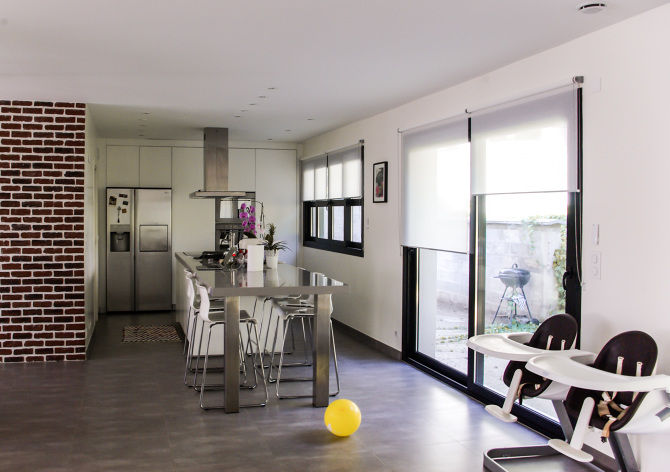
{"points": [[514, 279]]}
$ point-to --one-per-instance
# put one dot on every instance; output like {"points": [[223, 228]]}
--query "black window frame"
{"points": [[347, 246]]}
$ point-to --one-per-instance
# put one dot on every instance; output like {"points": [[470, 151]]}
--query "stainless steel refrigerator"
{"points": [[139, 249]]}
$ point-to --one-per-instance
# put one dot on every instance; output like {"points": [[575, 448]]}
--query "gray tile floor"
{"points": [[127, 409]]}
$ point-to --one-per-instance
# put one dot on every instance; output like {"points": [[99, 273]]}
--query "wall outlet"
{"points": [[596, 265]]}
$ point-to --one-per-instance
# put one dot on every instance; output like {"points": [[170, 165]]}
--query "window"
{"points": [[332, 199], [480, 195]]}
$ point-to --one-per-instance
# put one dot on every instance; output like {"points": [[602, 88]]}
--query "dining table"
{"points": [[285, 280]]}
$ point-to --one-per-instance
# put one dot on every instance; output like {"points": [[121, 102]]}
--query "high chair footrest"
{"points": [[569, 451], [498, 412]]}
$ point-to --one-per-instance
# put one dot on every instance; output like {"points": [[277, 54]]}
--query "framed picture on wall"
{"points": [[380, 182]]}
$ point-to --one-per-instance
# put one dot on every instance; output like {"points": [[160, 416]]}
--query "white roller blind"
{"points": [[435, 202], [307, 180], [335, 176], [352, 162], [320, 178], [530, 146]]}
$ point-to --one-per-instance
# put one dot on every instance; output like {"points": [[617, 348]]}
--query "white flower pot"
{"points": [[271, 259]]}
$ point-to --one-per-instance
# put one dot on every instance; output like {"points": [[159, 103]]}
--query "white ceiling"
{"points": [[198, 63]]}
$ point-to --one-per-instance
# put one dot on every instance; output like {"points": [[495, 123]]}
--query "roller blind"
{"points": [[307, 181], [529, 146], [314, 179], [344, 173], [334, 175], [435, 204]]}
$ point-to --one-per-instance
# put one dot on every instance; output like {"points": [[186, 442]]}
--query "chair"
{"points": [[556, 333], [209, 320], [618, 394], [192, 325], [304, 311]]}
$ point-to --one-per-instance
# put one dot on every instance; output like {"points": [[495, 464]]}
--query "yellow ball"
{"points": [[342, 417]]}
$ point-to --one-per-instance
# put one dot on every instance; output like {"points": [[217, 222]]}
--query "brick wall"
{"points": [[41, 231]]}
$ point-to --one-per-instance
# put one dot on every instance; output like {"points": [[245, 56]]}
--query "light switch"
{"points": [[596, 234], [367, 222]]}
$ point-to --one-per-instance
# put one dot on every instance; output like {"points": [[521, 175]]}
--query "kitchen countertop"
{"points": [[284, 280]]}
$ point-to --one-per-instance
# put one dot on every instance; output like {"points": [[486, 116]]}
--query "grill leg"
{"points": [[499, 303]]}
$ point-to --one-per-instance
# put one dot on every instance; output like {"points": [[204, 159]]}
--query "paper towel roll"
{"points": [[255, 255]]}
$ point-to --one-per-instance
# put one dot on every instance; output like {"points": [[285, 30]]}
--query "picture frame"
{"points": [[380, 182]]}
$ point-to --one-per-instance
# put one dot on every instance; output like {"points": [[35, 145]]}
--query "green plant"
{"points": [[270, 243]]}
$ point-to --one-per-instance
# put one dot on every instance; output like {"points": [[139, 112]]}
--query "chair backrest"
{"points": [[190, 291], [556, 333], [204, 301], [630, 353]]}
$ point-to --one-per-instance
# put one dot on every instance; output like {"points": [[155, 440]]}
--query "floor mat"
{"points": [[151, 334]]}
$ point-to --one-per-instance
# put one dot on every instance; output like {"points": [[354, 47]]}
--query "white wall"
{"points": [[626, 167], [90, 231], [193, 219]]}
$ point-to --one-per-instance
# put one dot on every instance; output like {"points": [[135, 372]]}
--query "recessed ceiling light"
{"points": [[287, 130], [310, 119], [252, 104], [141, 135], [269, 139], [146, 113], [237, 116], [591, 7], [143, 119], [262, 96], [272, 88]]}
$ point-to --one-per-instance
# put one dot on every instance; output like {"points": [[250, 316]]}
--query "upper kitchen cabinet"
{"points": [[155, 166], [276, 187], [123, 166], [242, 169]]}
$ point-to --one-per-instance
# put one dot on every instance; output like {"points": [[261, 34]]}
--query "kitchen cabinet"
{"points": [[156, 166], [123, 166], [276, 186], [241, 169]]}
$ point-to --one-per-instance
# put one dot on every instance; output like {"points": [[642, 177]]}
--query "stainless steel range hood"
{"points": [[216, 167]]}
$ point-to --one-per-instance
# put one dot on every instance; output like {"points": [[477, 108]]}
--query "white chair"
{"points": [[192, 325], [618, 394], [209, 320], [302, 310]]}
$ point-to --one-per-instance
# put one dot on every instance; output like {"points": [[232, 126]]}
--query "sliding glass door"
{"points": [[491, 229]]}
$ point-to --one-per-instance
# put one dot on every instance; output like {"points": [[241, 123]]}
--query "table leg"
{"points": [[231, 352], [321, 364]]}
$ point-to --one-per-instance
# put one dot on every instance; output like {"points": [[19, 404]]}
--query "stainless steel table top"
{"points": [[284, 280]]}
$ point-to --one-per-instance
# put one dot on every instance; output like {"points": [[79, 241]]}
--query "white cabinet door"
{"points": [[192, 218], [276, 187], [123, 166], [242, 169], [155, 166]]}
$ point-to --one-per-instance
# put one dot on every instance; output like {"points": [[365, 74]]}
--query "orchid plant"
{"points": [[247, 214]]}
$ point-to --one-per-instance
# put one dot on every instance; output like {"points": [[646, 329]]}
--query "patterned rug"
{"points": [[151, 334]]}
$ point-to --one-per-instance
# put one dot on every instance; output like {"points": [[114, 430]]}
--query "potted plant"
{"points": [[272, 247]]}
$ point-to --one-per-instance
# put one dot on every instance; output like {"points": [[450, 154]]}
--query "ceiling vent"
{"points": [[591, 7]]}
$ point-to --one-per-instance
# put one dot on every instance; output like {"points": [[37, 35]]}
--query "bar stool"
{"points": [[303, 311], [192, 325], [210, 319]]}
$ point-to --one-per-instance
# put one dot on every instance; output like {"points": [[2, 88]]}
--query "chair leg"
{"points": [[204, 369], [197, 359], [281, 355], [189, 354], [188, 325]]}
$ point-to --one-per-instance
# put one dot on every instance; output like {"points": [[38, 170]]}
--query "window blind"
{"points": [[435, 203], [528, 146]]}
